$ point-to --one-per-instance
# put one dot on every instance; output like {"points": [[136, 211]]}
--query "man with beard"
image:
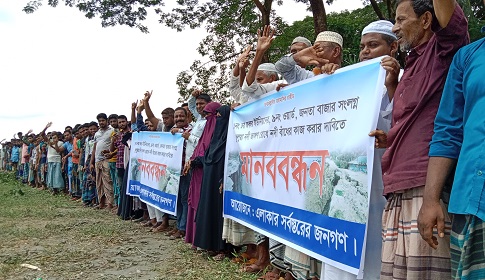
{"points": [[99, 162], [458, 140], [377, 40], [431, 32]]}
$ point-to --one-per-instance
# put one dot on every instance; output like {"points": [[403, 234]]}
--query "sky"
{"points": [[55, 61]]}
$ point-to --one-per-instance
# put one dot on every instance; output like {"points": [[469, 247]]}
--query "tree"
{"points": [[349, 24], [123, 12], [475, 13], [379, 5], [231, 25]]}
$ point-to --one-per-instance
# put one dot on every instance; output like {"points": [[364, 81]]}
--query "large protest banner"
{"points": [[155, 166], [299, 163]]}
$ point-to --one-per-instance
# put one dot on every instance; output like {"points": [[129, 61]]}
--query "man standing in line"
{"points": [[165, 125], [459, 140], [111, 156], [99, 163], [431, 35], [182, 126], [118, 148], [196, 105]]}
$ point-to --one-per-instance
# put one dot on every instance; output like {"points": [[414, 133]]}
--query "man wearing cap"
{"points": [[298, 44], [261, 78], [328, 44], [377, 40], [431, 36]]}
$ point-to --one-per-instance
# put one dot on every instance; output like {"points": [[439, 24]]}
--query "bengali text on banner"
{"points": [[155, 166], [299, 163]]}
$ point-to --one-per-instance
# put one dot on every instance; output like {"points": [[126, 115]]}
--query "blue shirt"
{"points": [[140, 125], [68, 147], [460, 131], [15, 154]]}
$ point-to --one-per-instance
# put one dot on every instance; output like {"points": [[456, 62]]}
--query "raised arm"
{"points": [[133, 112], [241, 64], [42, 133], [444, 10], [192, 107], [140, 125], [24, 138], [151, 117], [265, 38]]}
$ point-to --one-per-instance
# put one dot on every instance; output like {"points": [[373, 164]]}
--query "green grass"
{"points": [[68, 241]]}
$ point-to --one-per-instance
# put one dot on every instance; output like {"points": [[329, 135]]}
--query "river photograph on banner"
{"points": [[155, 168], [299, 163]]}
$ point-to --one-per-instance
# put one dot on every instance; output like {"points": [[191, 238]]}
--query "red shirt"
{"points": [[416, 101], [75, 160]]}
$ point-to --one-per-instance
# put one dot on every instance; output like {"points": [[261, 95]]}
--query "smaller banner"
{"points": [[155, 167]]}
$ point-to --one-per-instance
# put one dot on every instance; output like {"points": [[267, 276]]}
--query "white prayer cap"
{"points": [[330, 36], [267, 67], [303, 40], [380, 26]]}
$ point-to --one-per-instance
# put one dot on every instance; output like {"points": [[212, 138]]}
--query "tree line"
{"points": [[232, 24]]}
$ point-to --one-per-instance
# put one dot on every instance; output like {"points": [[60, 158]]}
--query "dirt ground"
{"points": [[67, 241]]}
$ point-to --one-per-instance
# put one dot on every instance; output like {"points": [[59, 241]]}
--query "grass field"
{"points": [[67, 241]]}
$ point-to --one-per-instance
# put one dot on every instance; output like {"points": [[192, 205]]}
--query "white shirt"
{"points": [[196, 131], [52, 154]]}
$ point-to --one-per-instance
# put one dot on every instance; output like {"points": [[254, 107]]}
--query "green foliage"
{"points": [[280, 45], [475, 13], [349, 24], [111, 12], [231, 25]]}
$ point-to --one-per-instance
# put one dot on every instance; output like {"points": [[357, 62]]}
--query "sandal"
{"points": [[253, 268], [271, 275], [179, 234], [161, 228], [219, 257], [172, 232]]}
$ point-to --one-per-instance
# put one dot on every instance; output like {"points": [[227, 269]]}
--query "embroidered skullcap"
{"points": [[330, 36], [380, 26], [303, 40], [267, 67]]}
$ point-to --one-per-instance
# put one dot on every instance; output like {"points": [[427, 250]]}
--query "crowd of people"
{"points": [[430, 127]]}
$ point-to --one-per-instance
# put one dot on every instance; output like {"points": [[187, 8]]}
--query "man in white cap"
{"points": [[328, 44], [266, 70], [261, 78], [377, 40], [298, 44]]}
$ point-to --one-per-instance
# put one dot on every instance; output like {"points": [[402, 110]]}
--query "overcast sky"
{"points": [[55, 61]]}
